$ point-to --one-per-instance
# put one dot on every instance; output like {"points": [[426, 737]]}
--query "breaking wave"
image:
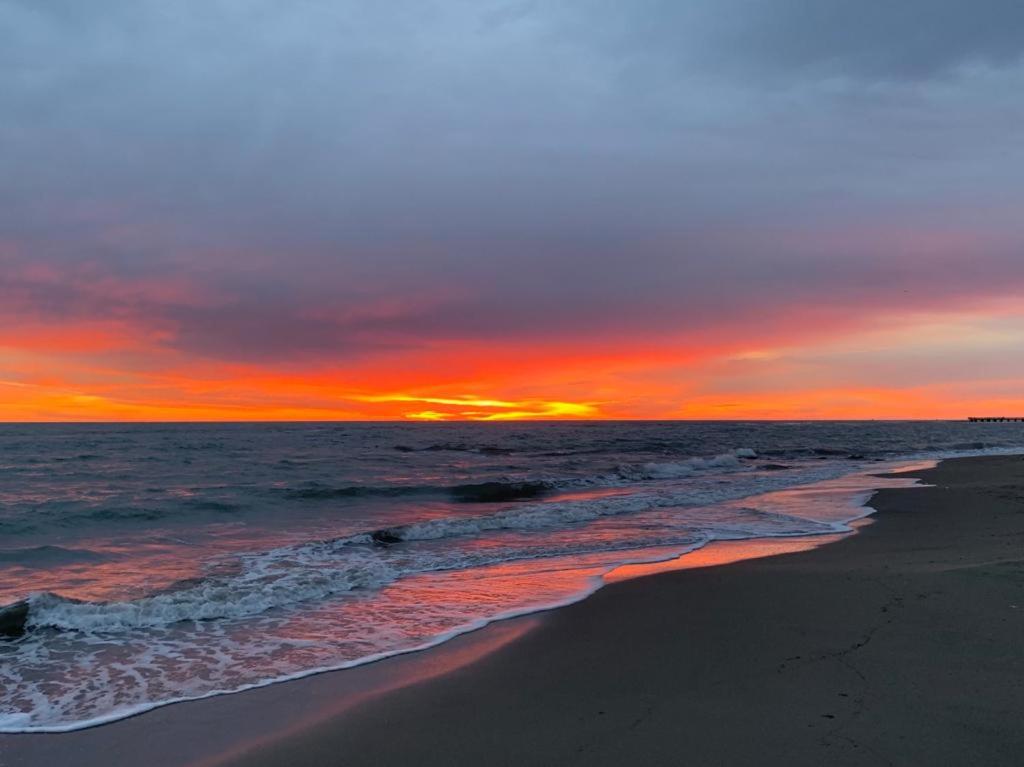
{"points": [[290, 576], [284, 577], [507, 490], [267, 581]]}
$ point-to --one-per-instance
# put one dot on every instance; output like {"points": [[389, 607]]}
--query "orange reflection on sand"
{"points": [[724, 553], [304, 704]]}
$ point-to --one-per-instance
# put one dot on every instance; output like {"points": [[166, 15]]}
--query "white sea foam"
{"points": [[685, 468], [267, 581]]}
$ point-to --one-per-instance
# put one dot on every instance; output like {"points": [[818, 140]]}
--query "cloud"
{"points": [[327, 184], [876, 40], [911, 39]]}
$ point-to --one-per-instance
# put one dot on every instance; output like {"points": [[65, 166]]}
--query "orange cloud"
{"points": [[893, 367]]}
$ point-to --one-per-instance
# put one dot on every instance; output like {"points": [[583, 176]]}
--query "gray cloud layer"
{"points": [[871, 39], [511, 168]]}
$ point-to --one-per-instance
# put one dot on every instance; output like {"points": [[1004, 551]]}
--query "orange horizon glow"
{"points": [[25, 404], [925, 365], [271, 398]]}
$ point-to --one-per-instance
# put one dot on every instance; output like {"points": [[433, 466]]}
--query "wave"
{"points": [[290, 576], [686, 468], [558, 513], [536, 517], [269, 580], [116, 515], [486, 491], [48, 556], [507, 490], [285, 577], [317, 491], [214, 505], [495, 491], [455, 447]]}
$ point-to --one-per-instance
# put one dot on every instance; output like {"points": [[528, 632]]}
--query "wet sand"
{"points": [[903, 645]]}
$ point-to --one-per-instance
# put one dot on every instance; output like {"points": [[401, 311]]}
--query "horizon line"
{"points": [[965, 419]]}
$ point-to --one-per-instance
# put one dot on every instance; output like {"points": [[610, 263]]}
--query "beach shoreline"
{"points": [[667, 682]]}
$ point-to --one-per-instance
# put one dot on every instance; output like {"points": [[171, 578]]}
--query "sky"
{"points": [[444, 209]]}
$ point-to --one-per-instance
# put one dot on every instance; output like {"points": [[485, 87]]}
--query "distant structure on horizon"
{"points": [[977, 419]]}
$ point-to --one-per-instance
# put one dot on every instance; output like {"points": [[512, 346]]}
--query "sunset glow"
{"points": [[550, 216], [63, 372]]}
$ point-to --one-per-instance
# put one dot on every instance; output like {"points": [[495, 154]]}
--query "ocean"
{"points": [[150, 563]]}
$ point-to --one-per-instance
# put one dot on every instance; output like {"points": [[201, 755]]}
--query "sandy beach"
{"points": [[511, 383], [898, 645]]}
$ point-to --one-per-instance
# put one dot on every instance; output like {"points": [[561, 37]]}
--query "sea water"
{"points": [[170, 562]]}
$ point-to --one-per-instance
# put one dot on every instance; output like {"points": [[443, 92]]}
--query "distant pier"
{"points": [[995, 419]]}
